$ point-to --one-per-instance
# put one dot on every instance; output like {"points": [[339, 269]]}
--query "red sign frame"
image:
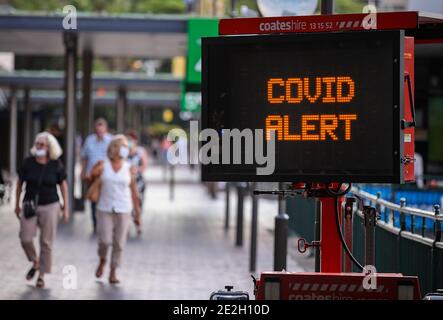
{"points": [[318, 23]]}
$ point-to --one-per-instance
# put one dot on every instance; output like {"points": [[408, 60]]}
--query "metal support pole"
{"points": [[281, 234], [147, 116], [370, 216], [27, 134], [437, 226], [331, 246], [87, 111], [13, 132], [228, 191], [233, 4], [87, 103], [254, 229], [327, 6], [171, 182], [121, 109], [377, 205], [437, 238], [402, 215], [348, 220], [317, 234], [240, 206], [136, 119], [70, 41]]}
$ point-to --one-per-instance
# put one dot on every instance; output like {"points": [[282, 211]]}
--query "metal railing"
{"points": [[408, 240], [391, 211]]}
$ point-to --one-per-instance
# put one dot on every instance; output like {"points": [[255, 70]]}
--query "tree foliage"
{"points": [[151, 6], [349, 6], [341, 6], [109, 6]]}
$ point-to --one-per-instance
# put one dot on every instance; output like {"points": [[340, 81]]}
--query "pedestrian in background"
{"points": [[41, 173], [117, 198], [138, 158], [93, 151]]}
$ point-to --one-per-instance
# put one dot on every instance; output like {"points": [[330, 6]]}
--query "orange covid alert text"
{"points": [[311, 127], [339, 89]]}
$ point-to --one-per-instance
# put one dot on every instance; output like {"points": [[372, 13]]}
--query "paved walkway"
{"points": [[184, 253]]}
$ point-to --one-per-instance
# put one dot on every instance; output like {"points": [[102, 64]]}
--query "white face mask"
{"points": [[124, 152], [40, 153]]}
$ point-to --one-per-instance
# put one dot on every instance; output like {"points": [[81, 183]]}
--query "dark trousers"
{"points": [[94, 217]]}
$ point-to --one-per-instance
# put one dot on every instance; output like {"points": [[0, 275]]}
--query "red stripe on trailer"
{"points": [[336, 286], [318, 23]]}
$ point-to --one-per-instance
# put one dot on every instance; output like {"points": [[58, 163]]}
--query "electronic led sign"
{"points": [[334, 101]]}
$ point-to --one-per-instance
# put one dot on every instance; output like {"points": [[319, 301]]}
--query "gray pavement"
{"points": [[183, 253]]}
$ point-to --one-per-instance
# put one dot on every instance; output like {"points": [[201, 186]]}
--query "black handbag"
{"points": [[30, 205]]}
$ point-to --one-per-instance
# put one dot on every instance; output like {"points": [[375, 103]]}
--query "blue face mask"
{"points": [[40, 153], [124, 152]]}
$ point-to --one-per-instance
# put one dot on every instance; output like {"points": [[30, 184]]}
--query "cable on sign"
{"points": [[336, 195]]}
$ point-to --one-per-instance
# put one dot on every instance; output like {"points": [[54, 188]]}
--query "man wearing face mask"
{"points": [[41, 173], [118, 197], [93, 151]]}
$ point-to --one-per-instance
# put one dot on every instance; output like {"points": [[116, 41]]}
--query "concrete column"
{"points": [[87, 103], [87, 107], [121, 110], [148, 117], [137, 120], [70, 41], [28, 124], [13, 133]]}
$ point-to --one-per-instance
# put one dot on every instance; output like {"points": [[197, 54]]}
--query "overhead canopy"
{"points": [[154, 100], [105, 35], [50, 80]]}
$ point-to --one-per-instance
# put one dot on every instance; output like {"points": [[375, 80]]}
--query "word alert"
{"points": [[313, 127]]}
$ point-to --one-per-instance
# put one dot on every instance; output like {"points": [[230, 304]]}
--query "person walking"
{"points": [[138, 159], [41, 173], [93, 151], [117, 198]]}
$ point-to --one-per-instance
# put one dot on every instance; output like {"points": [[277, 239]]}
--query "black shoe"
{"points": [[31, 273]]}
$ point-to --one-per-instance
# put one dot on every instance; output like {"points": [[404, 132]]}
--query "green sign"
{"points": [[198, 28], [191, 99]]}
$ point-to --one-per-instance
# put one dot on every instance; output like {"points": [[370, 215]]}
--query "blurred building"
{"points": [[213, 8], [435, 6]]}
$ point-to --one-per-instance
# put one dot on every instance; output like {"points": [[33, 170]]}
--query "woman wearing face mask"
{"points": [[41, 173], [118, 197]]}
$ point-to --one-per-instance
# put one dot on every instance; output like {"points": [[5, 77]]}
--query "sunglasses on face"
{"points": [[40, 144]]}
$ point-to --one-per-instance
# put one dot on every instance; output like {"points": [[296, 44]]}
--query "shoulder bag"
{"points": [[30, 205]]}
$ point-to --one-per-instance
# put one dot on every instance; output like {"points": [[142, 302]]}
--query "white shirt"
{"points": [[115, 192], [95, 150]]}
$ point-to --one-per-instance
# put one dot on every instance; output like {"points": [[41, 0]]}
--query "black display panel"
{"points": [[334, 100]]}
